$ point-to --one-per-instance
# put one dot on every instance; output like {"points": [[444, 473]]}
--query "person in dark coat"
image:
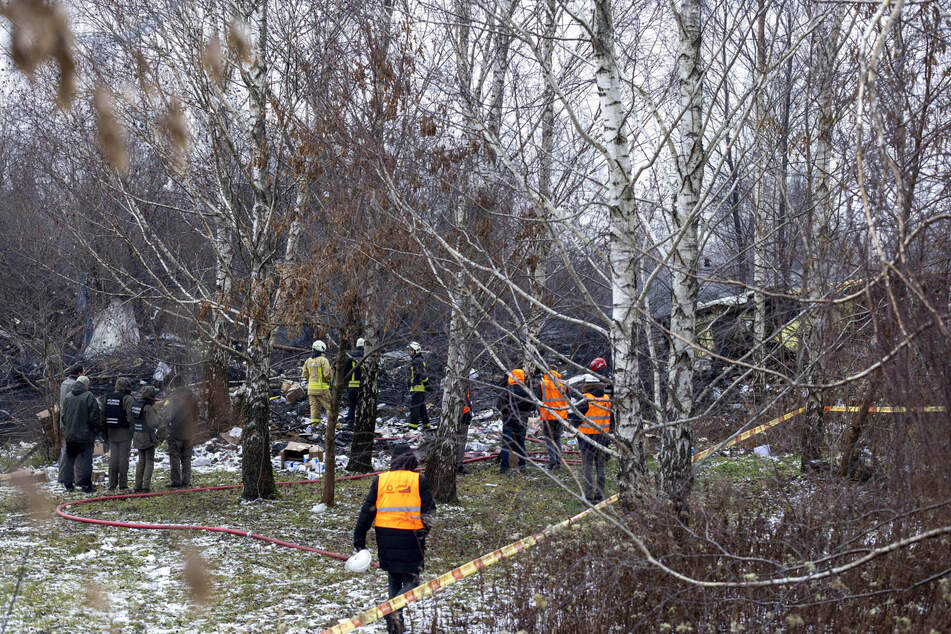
{"points": [[399, 506], [418, 382], [182, 426], [516, 405], [145, 437], [354, 376], [82, 422], [118, 421]]}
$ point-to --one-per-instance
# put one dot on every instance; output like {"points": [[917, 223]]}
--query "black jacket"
{"points": [[399, 550], [515, 403], [82, 416]]}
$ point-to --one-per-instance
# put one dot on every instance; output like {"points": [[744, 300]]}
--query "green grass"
{"points": [[265, 587]]}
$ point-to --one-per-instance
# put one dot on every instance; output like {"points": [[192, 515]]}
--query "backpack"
{"points": [[115, 413]]}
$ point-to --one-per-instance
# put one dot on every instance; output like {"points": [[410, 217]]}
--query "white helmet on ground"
{"points": [[319, 346], [361, 342], [415, 347]]}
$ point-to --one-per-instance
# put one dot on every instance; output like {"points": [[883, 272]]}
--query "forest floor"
{"points": [[79, 577]]}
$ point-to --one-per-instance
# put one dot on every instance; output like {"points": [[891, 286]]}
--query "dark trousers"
{"points": [[417, 410], [552, 433], [119, 463], [513, 439], [76, 466], [143, 469], [592, 466], [179, 462], [399, 582], [353, 395], [462, 435]]}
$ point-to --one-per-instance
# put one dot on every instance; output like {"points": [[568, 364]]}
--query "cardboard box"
{"points": [[301, 452], [23, 475], [292, 391], [98, 477]]}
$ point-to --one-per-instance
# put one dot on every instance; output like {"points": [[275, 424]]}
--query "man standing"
{"points": [[318, 375], [551, 392], [399, 506], [145, 426], [118, 417], [418, 380], [76, 370], [515, 403], [82, 421], [182, 425], [595, 427], [354, 359]]}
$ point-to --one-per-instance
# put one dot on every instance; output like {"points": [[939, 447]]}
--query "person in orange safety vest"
{"points": [[399, 506], [551, 392], [595, 426]]}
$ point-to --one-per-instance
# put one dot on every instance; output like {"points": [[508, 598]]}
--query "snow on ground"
{"points": [[81, 577]]}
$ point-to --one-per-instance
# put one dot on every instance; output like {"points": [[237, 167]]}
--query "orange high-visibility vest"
{"points": [[465, 406], [553, 396], [599, 413], [398, 504]]}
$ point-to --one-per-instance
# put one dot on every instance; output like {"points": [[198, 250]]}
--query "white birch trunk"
{"points": [[257, 475], [817, 237], [541, 247], [632, 476], [760, 217], [676, 467]]}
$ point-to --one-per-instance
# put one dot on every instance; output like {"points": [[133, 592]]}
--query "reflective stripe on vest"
{"points": [[599, 413], [315, 375], [398, 504], [553, 396], [413, 385], [354, 375], [114, 412]]}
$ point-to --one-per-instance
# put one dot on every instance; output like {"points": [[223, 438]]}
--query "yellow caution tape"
{"points": [[458, 574], [886, 409], [747, 434], [470, 568]]}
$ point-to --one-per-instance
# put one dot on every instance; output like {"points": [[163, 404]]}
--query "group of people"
{"points": [[399, 505], [317, 375], [124, 421], [590, 414]]}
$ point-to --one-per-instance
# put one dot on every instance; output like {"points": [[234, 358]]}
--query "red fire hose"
{"points": [[214, 529]]}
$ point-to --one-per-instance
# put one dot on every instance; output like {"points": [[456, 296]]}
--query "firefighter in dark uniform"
{"points": [[418, 380]]}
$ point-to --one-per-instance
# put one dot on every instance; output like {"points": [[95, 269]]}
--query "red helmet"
{"points": [[597, 364]]}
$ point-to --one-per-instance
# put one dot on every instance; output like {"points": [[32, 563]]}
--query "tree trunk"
{"points": [[257, 475], [330, 434], [364, 426], [632, 467], [818, 248], [676, 466], [540, 217], [760, 217], [441, 460]]}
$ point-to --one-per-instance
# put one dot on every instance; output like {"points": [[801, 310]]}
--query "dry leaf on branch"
{"points": [[175, 128], [110, 133], [213, 59], [239, 40], [40, 32]]}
